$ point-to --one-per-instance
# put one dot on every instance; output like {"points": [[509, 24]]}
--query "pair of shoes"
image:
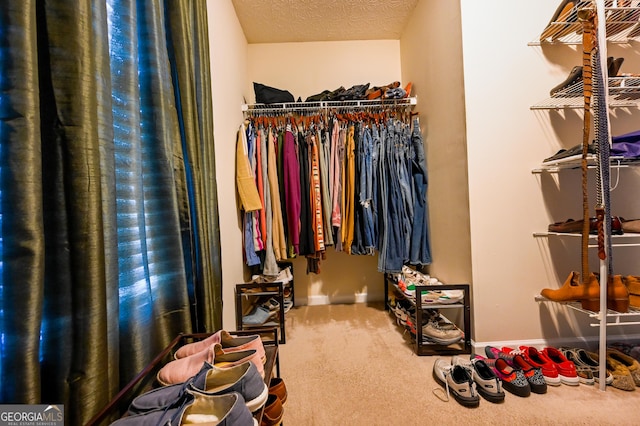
{"points": [[228, 342], [557, 25], [632, 283], [513, 379], [533, 374], [571, 152], [538, 360], [583, 361], [586, 373], [210, 380], [196, 408], [566, 369], [180, 370], [488, 385], [262, 313], [631, 363], [274, 408], [622, 378], [441, 334], [284, 276], [456, 379], [378, 92], [575, 291], [575, 226], [588, 292], [631, 226]]}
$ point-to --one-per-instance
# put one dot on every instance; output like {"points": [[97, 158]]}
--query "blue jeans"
{"points": [[366, 190], [420, 248]]}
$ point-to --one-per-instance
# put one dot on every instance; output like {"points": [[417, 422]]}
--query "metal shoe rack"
{"points": [[145, 380], [422, 346], [622, 25], [249, 294]]}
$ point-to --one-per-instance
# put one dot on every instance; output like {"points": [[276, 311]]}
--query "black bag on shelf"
{"points": [[271, 95]]}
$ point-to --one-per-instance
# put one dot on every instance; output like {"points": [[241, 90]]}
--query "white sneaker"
{"points": [[456, 379]]}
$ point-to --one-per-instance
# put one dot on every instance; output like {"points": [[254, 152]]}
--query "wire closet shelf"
{"points": [[250, 109]]}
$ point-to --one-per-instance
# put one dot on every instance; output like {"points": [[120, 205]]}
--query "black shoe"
{"points": [[614, 67], [574, 76]]}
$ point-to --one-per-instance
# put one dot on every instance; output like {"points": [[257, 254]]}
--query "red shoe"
{"points": [[537, 359], [566, 369]]}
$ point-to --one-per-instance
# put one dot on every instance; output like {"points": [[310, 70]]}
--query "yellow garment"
{"points": [[245, 181], [279, 241]]}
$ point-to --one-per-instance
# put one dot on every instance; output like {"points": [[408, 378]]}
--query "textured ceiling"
{"points": [[280, 21]]}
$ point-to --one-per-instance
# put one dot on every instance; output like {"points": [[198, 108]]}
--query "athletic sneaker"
{"points": [[535, 358], [513, 379], [566, 369], [487, 383], [456, 379], [443, 336]]}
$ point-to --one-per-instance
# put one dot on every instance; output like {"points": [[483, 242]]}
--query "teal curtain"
{"points": [[109, 235]]}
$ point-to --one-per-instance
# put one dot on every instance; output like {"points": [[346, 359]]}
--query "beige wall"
{"points": [[228, 48], [435, 68]]}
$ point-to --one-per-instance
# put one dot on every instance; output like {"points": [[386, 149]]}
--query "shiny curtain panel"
{"points": [[104, 166]]}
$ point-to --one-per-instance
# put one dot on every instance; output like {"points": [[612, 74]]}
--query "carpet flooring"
{"points": [[352, 365]]}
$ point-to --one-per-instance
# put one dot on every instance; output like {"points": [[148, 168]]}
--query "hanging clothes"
{"points": [[354, 181]]}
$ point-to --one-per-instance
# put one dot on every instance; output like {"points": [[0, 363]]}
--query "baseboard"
{"points": [[323, 299], [590, 342]]}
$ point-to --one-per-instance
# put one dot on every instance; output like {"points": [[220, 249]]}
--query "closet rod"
{"points": [[330, 104]]}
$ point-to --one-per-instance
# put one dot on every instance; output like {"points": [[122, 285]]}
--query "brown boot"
{"points": [[633, 285], [574, 291], [617, 294]]}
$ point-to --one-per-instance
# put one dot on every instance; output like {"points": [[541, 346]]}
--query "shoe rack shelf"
{"points": [[249, 294], [145, 380], [424, 347], [624, 240], [612, 318], [574, 163], [624, 92], [323, 105], [622, 20]]}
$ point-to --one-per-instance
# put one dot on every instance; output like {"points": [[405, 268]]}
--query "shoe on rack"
{"points": [[181, 370], [273, 411], [575, 75], [193, 407], [537, 359], [210, 380], [259, 315], [631, 363], [586, 373], [277, 387], [487, 383], [558, 19], [513, 379], [442, 336], [633, 286], [566, 369], [229, 343], [456, 379], [573, 290]]}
